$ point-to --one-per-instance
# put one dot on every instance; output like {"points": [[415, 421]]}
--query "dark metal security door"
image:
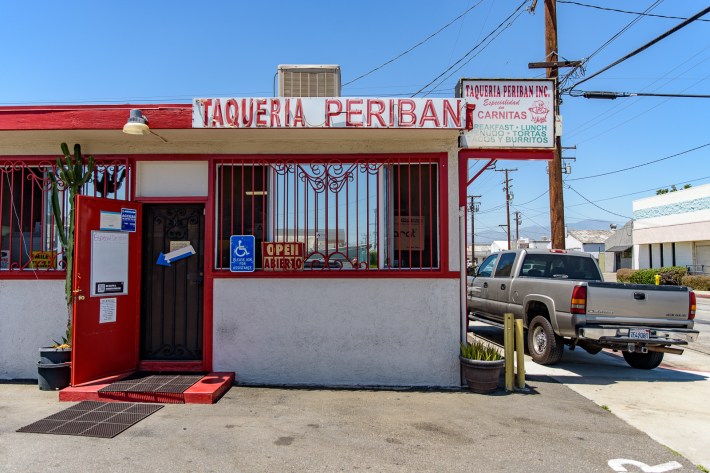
{"points": [[172, 295]]}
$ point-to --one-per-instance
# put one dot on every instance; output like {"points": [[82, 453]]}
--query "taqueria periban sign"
{"points": [[328, 112]]}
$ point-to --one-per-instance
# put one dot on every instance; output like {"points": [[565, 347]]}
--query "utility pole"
{"points": [[518, 221], [557, 205], [473, 207], [508, 198]]}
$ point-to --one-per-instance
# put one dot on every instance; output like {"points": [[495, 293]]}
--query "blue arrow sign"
{"points": [[166, 259]]}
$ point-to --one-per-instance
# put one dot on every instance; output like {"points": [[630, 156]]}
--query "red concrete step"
{"points": [[206, 391]]}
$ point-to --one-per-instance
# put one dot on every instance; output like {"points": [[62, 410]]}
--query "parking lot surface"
{"points": [[550, 429]]}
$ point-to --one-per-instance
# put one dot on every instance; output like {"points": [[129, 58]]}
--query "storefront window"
{"points": [[359, 215], [28, 238]]}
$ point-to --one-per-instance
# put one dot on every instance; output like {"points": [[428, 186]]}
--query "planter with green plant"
{"points": [[72, 173], [482, 365]]}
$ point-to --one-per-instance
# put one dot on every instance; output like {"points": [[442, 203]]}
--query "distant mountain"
{"points": [[537, 232]]}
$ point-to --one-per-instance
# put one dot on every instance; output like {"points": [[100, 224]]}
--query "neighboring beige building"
{"points": [[673, 229]]}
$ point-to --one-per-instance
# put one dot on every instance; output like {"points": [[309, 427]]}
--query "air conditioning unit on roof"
{"points": [[310, 80]]}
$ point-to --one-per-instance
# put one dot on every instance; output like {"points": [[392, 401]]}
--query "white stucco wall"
{"points": [[172, 179], [372, 332], [32, 313]]}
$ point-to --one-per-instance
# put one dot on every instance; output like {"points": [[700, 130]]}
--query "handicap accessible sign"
{"points": [[241, 251]]}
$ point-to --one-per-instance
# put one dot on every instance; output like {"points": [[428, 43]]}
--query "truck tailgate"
{"points": [[645, 303]]}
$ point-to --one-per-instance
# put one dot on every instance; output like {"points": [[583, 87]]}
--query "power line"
{"points": [[641, 165], [604, 94], [623, 30], [624, 11], [645, 190], [415, 46], [621, 106], [645, 46], [597, 206], [579, 70], [472, 49], [508, 25]]}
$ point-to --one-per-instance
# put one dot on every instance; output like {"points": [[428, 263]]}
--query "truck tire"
{"points": [[544, 346], [643, 361]]}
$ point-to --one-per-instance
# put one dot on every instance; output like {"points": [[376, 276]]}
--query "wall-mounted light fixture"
{"points": [[137, 124]]}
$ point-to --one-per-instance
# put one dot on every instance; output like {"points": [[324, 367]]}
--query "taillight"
{"points": [[579, 300], [691, 309]]}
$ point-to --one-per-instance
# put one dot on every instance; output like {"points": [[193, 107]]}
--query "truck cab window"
{"points": [[486, 268], [505, 265]]}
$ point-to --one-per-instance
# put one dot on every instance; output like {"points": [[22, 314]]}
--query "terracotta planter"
{"points": [[482, 376]]}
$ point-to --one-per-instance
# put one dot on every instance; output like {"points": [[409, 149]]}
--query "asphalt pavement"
{"points": [[667, 403], [589, 413], [549, 429]]}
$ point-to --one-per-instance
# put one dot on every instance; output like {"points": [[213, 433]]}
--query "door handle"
{"points": [[485, 285], [502, 286], [639, 296]]}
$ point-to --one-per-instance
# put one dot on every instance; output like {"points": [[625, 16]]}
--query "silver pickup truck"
{"points": [[562, 299]]}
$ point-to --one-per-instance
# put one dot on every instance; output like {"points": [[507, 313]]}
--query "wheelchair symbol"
{"points": [[241, 251]]}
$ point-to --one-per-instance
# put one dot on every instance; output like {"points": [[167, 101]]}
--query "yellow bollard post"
{"points": [[520, 349], [658, 279], [508, 348]]}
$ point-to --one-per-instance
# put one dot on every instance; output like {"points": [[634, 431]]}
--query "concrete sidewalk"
{"points": [[269, 429]]}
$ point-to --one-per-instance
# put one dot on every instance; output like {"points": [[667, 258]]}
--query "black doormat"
{"points": [[174, 383], [93, 419]]}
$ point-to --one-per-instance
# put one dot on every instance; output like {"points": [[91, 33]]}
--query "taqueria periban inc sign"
{"points": [[509, 113]]}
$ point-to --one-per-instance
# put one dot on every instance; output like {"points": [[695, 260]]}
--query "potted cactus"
{"points": [[482, 365], [72, 173]]}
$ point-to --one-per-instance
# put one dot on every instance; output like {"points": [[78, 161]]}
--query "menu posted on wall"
{"points": [[509, 113]]}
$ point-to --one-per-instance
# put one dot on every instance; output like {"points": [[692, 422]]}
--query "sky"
{"points": [[171, 52]]}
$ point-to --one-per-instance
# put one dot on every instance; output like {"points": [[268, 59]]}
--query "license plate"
{"points": [[639, 334]]}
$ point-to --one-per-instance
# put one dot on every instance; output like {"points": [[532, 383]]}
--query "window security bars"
{"points": [[350, 215], [28, 236]]}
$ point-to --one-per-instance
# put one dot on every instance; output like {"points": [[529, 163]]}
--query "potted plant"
{"points": [[72, 173], [482, 365]]}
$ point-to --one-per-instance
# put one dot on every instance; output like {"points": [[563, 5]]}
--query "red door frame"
{"points": [[101, 349], [206, 364]]}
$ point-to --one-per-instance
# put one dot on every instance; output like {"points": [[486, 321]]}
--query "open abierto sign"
{"points": [[282, 256]]}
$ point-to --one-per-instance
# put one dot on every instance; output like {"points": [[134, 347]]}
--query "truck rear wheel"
{"points": [[544, 346], [643, 361]]}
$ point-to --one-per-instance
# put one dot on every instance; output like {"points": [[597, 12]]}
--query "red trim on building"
{"points": [[341, 273], [444, 262], [93, 117], [510, 154], [208, 274]]}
